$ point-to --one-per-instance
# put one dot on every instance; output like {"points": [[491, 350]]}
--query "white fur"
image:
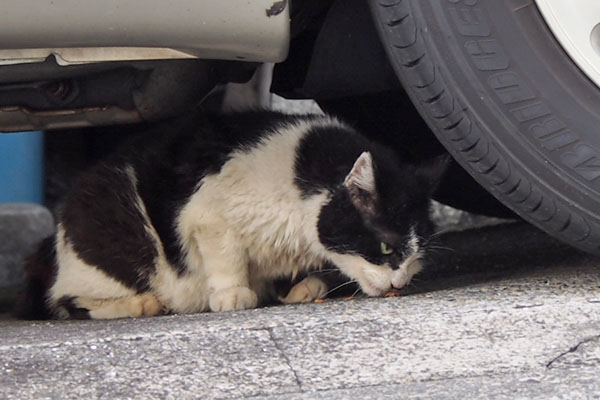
{"points": [[403, 275], [374, 280], [412, 263], [413, 240], [249, 222]]}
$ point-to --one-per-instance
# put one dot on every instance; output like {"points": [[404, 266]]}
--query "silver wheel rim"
{"points": [[576, 25]]}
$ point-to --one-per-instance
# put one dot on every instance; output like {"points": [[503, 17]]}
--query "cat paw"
{"points": [[141, 305], [233, 298], [145, 305], [402, 276], [307, 290], [400, 279], [151, 306]]}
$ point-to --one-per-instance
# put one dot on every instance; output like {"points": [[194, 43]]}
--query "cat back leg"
{"points": [[141, 305], [309, 289]]}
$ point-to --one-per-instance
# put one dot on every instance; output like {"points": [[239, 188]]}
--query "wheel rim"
{"points": [[576, 25]]}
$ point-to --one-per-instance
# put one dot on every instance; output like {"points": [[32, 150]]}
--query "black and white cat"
{"points": [[204, 214]]}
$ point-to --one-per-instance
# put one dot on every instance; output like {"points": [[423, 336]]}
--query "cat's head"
{"points": [[376, 225]]}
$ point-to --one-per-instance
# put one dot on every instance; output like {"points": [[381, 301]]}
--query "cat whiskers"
{"points": [[435, 247], [438, 233], [431, 244], [415, 280], [340, 286], [323, 270]]}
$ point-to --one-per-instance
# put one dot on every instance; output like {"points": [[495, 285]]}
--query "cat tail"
{"points": [[40, 272]]}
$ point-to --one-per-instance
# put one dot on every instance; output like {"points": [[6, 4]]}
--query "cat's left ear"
{"points": [[432, 171], [360, 183]]}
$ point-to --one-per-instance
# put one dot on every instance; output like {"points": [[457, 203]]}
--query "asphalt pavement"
{"points": [[507, 313]]}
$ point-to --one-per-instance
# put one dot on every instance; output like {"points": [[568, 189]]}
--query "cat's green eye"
{"points": [[386, 249]]}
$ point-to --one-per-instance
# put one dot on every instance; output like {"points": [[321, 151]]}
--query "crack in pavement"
{"points": [[519, 306], [285, 357], [572, 349]]}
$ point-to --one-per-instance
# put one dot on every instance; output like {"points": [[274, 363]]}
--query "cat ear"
{"points": [[432, 171], [360, 183], [362, 175]]}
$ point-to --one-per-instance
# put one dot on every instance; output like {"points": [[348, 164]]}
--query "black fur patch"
{"points": [[343, 230], [68, 304], [102, 222], [40, 273], [325, 156]]}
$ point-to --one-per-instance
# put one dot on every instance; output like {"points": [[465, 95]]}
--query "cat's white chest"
{"points": [[253, 207]]}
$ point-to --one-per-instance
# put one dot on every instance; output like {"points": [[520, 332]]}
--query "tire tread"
{"points": [[423, 80]]}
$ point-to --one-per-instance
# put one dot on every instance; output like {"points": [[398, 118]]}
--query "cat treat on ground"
{"points": [[392, 294]]}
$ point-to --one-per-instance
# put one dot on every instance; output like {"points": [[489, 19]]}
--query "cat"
{"points": [[205, 212]]}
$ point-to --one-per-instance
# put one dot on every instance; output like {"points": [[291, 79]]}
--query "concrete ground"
{"points": [[510, 313]]}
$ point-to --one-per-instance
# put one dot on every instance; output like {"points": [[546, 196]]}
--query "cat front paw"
{"points": [[403, 275], [233, 298], [308, 289]]}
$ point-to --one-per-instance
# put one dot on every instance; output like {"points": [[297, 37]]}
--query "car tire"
{"points": [[507, 102]]}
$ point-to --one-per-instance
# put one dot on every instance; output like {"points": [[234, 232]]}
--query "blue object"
{"points": [[22, 167]]}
